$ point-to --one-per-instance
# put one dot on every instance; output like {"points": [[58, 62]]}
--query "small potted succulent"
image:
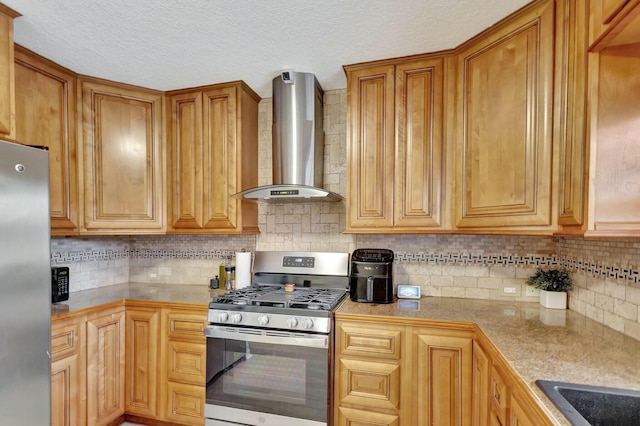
{"points": [[553, 285]]}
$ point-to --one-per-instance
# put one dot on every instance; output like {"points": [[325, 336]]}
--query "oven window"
{"points": [[285, 380]]}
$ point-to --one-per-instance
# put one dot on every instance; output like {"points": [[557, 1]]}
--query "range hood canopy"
{"points": [[298, 143]]}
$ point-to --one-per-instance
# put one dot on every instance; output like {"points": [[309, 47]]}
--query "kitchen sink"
{"points": [[585, 405]]}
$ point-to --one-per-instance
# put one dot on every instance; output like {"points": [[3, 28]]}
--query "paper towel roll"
{"points": [[243, 269]]}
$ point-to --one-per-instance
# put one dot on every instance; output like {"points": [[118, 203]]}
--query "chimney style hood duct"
{"points": [[298, 143]]}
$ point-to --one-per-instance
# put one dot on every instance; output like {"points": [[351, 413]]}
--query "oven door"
{"points": [[266, 377]]}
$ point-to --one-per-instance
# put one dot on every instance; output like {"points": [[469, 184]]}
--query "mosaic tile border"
{"points": [[595, 269], [574, 265]]}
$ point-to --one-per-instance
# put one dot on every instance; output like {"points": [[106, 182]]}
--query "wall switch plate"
{"points": [[509, 290]]}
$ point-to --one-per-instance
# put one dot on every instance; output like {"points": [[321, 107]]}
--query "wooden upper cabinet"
{"points": [[613, 23], [7, 86], [395, 148], [123, 158], [213, 133], [504, 125], [571, 112], [46, 115], [371, 146], [614, 198]]}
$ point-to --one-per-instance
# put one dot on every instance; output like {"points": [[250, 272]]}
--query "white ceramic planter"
{"points": [[553, 299]]}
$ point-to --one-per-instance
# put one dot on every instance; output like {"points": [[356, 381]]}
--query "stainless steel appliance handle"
{"points": [[269, 337]]}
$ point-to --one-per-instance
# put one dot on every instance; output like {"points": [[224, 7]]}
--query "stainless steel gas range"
{"points": [[269, 345]]}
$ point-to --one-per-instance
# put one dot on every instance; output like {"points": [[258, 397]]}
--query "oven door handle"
{"points": [[295, 339]]}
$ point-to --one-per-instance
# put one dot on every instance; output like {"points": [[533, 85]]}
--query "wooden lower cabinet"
{"points": [[500, 397], [183, 365], [67, 378], [145, 360], [105, 366], [142, 337], [441, 375], [481, 365], [402, 374], [353, 417]]}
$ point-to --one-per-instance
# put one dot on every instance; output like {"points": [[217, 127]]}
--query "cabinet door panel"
{"points": [[185, 404], [142, 361], [419, 98], [372, 384], [7, 85], [186, 362], [506, 86], [187, 160], [123, 165], [105, 368], [220, 111], [352, 417], [65, 386], [443, 372], [371, 153], [374, 341], [616, 142], [480, 400], [46, 115]]}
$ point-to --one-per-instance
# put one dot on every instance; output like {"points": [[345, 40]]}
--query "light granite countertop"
{"points": [[539, 343]]}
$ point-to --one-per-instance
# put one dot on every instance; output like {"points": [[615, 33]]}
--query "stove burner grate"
{"points": [[276, 296]]}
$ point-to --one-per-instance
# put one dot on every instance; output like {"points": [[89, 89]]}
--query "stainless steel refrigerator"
{"points": [[25, 286]]}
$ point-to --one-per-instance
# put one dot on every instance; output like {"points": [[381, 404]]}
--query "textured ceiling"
{"points": [[171, 44]]}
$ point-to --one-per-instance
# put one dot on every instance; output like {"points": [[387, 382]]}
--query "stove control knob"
{"points": [[308, 324], [263, 319], [292, 322], [236, 318], [223, 317]]}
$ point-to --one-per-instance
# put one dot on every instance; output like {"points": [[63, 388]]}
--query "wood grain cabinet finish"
{"points": [[123, 159], [214, 154], [105, 366], [355, 417], [613, 23], [369, 373], [504, 145], [614, 199], [395, 148], [7, 79], [142, 351], [46, 115], [67, 375], [571, 112], [481, 382], [183, 365], [442, 373]]}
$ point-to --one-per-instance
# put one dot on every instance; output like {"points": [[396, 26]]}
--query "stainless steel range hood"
{"points": [[298, 143]]}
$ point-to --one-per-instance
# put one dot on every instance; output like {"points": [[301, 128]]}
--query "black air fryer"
{"points": [[371, 277]]}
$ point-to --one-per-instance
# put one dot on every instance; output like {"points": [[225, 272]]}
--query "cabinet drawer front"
{"points": [[370, 384], [499, 396], [186, 362], [351, 417], [64, 340], [185, 403], [189, 326], [381, 342]]}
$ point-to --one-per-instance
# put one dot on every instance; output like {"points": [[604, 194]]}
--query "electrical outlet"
{"points": [[509, 290], [532, 291], [153, 276]]}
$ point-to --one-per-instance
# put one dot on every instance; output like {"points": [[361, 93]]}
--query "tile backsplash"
{"points": [[605, 271]]}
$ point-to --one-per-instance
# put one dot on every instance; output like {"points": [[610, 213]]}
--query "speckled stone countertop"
{"points": [[539, 343], [81, 300]]}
